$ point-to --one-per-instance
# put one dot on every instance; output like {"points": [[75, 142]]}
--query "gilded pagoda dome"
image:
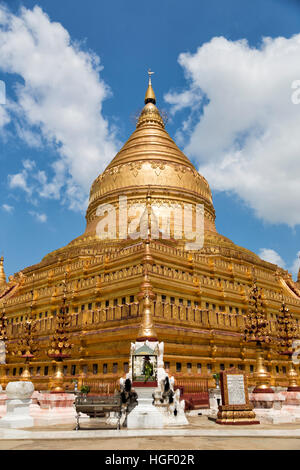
{"points": [[149, 170], [150, 164]]}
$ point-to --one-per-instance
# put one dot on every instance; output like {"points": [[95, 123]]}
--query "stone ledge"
{"points": [[8, 434]]}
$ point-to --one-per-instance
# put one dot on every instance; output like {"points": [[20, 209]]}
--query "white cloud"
{"points": [[34, 181], [28, 164], [7, 208], [271, 256], [296, 265], [19, 180], [39, 217], [59, 101], [247, 139], [186, 99], [4, 117]]}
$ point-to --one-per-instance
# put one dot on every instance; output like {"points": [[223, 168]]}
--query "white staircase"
{"points": [[145, 415]]}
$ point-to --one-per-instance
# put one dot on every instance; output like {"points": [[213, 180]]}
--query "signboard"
{"points": [[235, 408], [234, 388]]}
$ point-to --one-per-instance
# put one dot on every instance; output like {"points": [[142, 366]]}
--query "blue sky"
{"points": [[258, 212]]}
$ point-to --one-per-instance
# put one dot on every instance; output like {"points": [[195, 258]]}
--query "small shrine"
{"points": [[144, 365]]}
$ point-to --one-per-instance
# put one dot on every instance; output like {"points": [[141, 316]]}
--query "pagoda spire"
{"points": [[2, 273], [150, 115], [150, 95]]}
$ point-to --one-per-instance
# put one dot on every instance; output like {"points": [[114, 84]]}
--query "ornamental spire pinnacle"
{"points": [[150, 115], [2, 273], [150, 95]]}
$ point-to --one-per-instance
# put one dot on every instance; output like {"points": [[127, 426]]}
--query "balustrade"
{"points": [[174, 312]]}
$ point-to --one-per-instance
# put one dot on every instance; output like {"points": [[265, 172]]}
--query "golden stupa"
{"points": [[118, 289]]}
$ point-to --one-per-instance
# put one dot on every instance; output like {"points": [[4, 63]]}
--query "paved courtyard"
{"points": [[201, 434], [156, 443]]}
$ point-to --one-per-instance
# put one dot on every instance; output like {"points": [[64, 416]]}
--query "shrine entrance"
{"points": [[144, 367]]}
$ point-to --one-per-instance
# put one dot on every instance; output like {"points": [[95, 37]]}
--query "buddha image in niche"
{"points": [[147, 368]]}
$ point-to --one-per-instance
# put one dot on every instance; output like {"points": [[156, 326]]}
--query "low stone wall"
{"points": [[43, 408], [276, 408]]}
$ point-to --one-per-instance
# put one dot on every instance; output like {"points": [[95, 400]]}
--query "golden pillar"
{"points": [[261, 375], [57, 380], [2, 273], [26, 376], [292, 377]]}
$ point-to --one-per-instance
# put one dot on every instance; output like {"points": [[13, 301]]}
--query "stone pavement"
{"points": [[200, 434], [155, 443]]}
